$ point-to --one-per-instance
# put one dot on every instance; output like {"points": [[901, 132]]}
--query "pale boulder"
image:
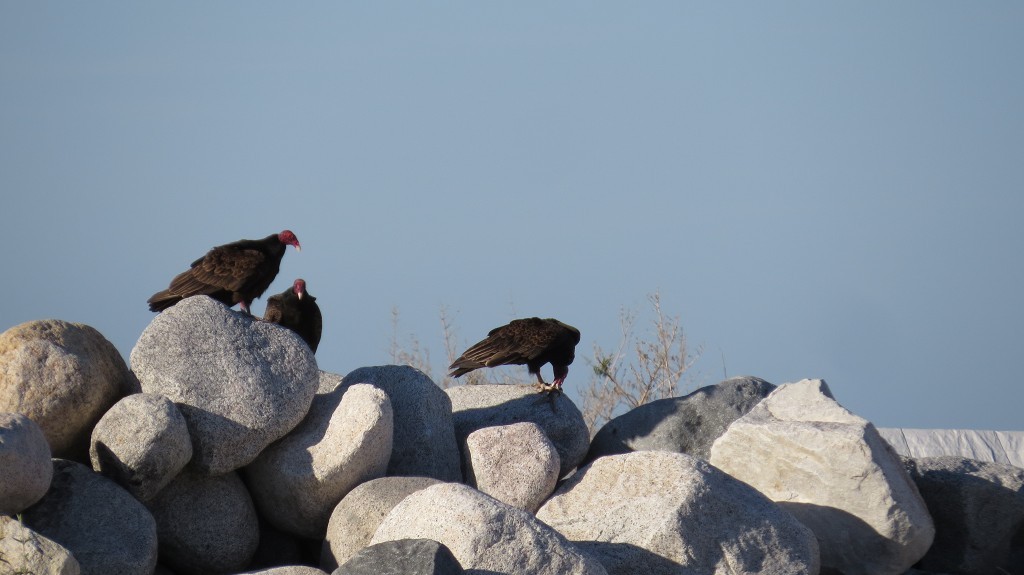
{"points": [[345, 440], [516, 464], [424, 436], [25, 466], [832, 470], [356, 518], [240, 383], [673, 514], [141, 443], [479, 406], [64, 376], [484, 534]]}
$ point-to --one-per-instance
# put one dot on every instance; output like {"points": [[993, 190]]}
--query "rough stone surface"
{"points": [[671, 513], [978, 509], [25, 466], [141, 443], [25, 551], [106, 529], [205, 524], [831, 470], [240, 383], [516, 464], [345, 440], [356, 518], [424, 439], [479, 406], [688, 424], [405, 557], [64, 376], [484, 534]]}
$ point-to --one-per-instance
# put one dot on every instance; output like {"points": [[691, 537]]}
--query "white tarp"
{"points": [[998, 446]]}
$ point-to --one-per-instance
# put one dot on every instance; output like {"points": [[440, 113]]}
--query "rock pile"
{"points": [[226, 450]]}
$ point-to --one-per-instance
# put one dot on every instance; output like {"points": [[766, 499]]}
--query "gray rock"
{"points": [[688, 424], [64, 376], [345, 440], [834, 472], [479, 406], [240, 383], [106, 529], [424, 439], [205, 524], [671, 513], [141, 443], [978, 509], [25, 466], [25, 551], [356, 518], [484, 534], [516, 464], [403, 557]]}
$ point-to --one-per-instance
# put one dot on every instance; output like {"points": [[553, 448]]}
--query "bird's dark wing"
{"points": [[224, 267], [512, 344]]}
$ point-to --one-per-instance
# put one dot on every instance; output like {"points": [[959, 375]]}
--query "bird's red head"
{"points": [[299, 287], [288, 238]]}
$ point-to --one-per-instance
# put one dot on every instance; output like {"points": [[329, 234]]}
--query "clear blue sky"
{"points": [[827, 190]]}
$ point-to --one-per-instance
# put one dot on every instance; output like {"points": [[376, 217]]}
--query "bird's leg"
{"points": [[561, 372], [541, 385], [244, 305]]}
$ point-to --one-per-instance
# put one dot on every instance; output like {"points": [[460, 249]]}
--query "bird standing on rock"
{"points": [[296, 309], [238, 272], [532, 341]]}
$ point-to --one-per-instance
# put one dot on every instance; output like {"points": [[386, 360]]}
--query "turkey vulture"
{"points": [[238, 272], [533, 341], [296, 309]]}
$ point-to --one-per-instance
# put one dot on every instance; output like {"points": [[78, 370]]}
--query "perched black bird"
{"points": [[533, 341], [238, 272], [296, 309]]}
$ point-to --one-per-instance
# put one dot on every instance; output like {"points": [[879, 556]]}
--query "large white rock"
{"points": [[25, 466], [354, 520], [832, 470], [345, 440], [671, 513], [478, 406], [240, 383], [424, 438], [516, 464], [63, 376], [141, 443], [484, 534]]}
